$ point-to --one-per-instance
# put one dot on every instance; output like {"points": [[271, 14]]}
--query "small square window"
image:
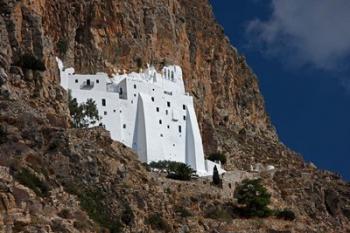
{"points": [[184, 107], [168, 126], [160, 122], [114, 110], [105, 113], [152, 99], [124, 126], [134, 95], [184, 117], [157, 109], [134, 86], [168, 104], [76, 81], [103, 102], [97, 81]]}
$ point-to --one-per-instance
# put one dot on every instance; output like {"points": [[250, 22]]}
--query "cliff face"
{"points": [[111, 35], [70, 165]]}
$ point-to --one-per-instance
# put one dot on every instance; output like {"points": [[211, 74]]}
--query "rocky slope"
{"points": [[57, 179]]}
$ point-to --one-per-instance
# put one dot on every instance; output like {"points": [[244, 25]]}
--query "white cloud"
{"points": [[306, 32]]}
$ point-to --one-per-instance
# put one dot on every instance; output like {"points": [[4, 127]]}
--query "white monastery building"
{"points": [[149, 112]]}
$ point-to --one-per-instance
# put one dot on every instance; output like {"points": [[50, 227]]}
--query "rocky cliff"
{"points": [[57, 179]]}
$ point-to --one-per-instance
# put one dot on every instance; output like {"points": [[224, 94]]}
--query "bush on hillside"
{"points": [[175, 170], [217, 157], [30, 180], [286, 215], [254, 198], [157, 222]]}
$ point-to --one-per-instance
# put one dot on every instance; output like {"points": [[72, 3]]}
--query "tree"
{"points": [[255, 198], [84, 114], [175, 170], [216, 177], [180, 171], [217, 157]]}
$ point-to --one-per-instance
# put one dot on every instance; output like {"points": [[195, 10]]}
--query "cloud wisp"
{"points": [[306, 32]]}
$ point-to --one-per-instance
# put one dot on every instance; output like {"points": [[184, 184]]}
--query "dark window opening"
{"points": [[168, 104], [157, 109], [97, 81], [152, 99], [180, 129], [103, 102], [105, 113], [166, 112], [134, 86], [184, 118], [168, 126], [120, 91], [184, 107], [88, 83], [124, 126], [134, 95], [160, 122], [76, 81], [132, 101], [161, 135], [114, 110]]}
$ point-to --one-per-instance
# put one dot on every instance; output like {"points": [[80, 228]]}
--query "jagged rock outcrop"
{"points": [[57, 179]]}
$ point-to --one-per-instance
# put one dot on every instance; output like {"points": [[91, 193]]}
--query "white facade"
{"points": [[149, 112]]}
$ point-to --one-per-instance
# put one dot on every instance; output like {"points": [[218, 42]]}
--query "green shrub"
{"points": [[92, 203], [158, 223], [3, 134], [255, 198], [127, 216], [217, 157], [30, 62], [30, 180], [286, 215], [84, 114], [175, 170], [183, 212], [62, 46], [218, 213], [65, 213]]}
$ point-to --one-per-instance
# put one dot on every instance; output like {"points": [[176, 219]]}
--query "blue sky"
{"points": [[300, 50]]}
